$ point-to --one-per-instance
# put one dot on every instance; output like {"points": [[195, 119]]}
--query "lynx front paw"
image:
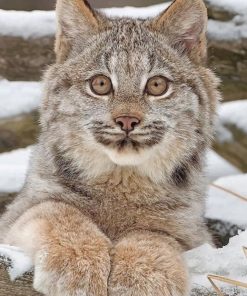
{"points": [[71, 256], [65, 272], [147, 266]]}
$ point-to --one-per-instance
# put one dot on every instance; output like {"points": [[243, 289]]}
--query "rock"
{"points": [[18, 132], [222, 231]]}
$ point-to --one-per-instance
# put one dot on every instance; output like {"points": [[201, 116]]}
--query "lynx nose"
{"points": [[127, 123]]}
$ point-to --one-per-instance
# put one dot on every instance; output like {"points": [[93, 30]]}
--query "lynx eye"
{"points": [[101, 85], [157, 86]]}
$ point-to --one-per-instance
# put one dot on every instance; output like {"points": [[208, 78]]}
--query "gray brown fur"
{"points": [[142, 199]]}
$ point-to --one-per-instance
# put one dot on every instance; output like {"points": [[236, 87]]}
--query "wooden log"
{"points": [[19, 287], [229, 60], [25, 59], [19, 131]]}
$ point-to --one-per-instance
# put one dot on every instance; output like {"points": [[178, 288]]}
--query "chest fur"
{"points": [[121, 207]]}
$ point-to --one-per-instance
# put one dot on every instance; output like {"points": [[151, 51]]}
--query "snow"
{"points": [[225, 206], [231, 113], [234, 113], [236, 6], [222, 133], [39, 23], [217, 166], [234, 30], [20, 263], [136, 12], [13, 169], [228, 261], [18, 97], [27, 24]]}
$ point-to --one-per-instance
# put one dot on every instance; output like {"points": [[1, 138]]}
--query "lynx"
{"points": [[115, 191]]}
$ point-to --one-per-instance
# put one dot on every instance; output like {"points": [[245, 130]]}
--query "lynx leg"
{"points": [[147, 264], [70, 254]]}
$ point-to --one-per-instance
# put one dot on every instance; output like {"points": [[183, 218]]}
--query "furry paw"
{"points": [[146, 266], [66, 273]]}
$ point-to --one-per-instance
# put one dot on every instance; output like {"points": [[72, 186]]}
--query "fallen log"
{"points": [[25, 59], [19, 287], [19, 131]]}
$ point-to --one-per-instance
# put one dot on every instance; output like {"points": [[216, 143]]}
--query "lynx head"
{"points": [[132, 90]]}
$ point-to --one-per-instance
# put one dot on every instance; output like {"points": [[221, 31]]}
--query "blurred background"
{"points": [[50, 4], [26, 49]]}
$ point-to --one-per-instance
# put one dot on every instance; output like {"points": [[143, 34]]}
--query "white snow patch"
{"points": [[136, 12], [27, 24], [13, 169], [20, 263], [234, 113], [18, 97], [217, 166], [228, 261], [222, 133], [233, 30], [225, 206]]}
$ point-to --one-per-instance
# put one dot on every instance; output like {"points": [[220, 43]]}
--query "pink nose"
{"points": [[127, 123]]}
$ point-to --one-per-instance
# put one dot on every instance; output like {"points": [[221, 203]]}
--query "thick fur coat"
{"points": [[105, 211]]}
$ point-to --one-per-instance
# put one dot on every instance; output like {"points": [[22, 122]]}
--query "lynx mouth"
{"points": [[129, 150], [129, 142]]}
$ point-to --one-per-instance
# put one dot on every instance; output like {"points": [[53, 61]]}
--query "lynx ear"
{"points": [[76, 22], [185, 23]]}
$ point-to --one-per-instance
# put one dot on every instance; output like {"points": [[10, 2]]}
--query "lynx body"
{"points": [[115, 191]]}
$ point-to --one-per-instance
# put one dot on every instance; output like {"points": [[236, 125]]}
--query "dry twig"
{"points": [[223, 279]]}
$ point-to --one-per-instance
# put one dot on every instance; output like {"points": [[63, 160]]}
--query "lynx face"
{"points": [[127, 88]]}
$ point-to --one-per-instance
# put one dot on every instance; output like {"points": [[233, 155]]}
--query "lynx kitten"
{"points": [[115, 190]]}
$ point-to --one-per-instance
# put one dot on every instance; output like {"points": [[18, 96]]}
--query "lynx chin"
{"points": [[115, 190]]}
